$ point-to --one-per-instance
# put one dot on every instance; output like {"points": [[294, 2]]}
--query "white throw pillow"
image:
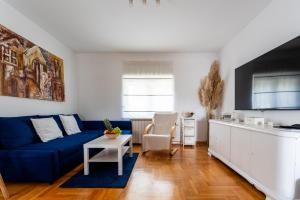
{"points": [[47, 129], [70, 124]]}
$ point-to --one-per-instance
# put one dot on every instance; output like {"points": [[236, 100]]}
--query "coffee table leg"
{"points": [[131, 148], [86, 161], [120, 162]]}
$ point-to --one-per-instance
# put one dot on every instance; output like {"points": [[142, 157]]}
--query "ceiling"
{"points": [[115, 26]]}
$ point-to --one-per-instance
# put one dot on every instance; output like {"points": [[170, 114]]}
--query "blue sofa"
{"points": [[24, 157]]}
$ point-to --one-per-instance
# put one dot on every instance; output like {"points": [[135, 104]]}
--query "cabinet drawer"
{"points": [[189, 140], [189, 122], [189, 131]]}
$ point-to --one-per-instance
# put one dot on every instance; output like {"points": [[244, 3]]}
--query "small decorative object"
{"points": [[270, 123], [226, 117], [234, 116], [29, 71], [254, 120], [110, 132], [187, 114]]}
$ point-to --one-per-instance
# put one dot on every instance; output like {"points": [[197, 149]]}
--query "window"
{"points": [[143, 95]]}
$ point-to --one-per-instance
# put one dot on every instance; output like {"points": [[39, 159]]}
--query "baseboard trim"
{"points": [[201, 143]]}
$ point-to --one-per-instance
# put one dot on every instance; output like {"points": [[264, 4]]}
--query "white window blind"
{"points": [[148, 87]]}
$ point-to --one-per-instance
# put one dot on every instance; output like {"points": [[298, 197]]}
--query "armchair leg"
{"points": [[173, 151], [3, 188], [144, 152]]}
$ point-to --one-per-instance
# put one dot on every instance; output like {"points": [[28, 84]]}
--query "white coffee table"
{"points": [[113, 151]]}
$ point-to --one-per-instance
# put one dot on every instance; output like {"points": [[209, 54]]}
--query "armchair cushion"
{"points": [[163, 129], [163, 122], [156, 142]]}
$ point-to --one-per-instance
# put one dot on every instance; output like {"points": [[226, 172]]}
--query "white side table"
{"points": [[113, 151], [189, 131]]}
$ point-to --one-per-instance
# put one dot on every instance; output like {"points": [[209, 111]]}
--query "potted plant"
{"points": [[110, 132]]}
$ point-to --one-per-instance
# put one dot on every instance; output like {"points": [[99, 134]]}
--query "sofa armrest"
{"points": [[99, 125], [29, 165]]}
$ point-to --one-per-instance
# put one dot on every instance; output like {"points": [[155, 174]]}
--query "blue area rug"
{"points": [[103, 175]]}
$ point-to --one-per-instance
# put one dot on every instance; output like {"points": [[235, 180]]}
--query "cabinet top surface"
{"points": [[264, 129]]}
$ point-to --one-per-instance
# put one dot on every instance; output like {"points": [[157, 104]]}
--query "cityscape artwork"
{"points": [[29, 71]]}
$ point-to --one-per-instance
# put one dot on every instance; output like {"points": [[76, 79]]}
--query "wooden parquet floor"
{"points": [[189, 175]]}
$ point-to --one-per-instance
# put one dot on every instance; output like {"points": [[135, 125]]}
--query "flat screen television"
{"points": [[271, 81]]}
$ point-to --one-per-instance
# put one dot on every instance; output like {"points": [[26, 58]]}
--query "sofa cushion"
{"points": [[70, 124], [16, 132], [57, 120], [65, 146], [59, 123], [47, 129]]}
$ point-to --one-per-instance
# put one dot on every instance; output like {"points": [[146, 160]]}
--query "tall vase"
{"points": [[208, 117]]}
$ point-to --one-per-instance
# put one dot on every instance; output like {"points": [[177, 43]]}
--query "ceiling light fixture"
{"points": [[144, 2]]}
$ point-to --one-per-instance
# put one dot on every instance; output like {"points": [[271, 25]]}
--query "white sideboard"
{"points": [[269, 158]]}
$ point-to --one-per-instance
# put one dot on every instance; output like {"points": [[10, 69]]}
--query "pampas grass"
{"points": [[211, 89]]}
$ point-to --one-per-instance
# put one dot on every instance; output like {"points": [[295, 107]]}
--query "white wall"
{"points": [[278, 23], [11, 106], [100, 85]]}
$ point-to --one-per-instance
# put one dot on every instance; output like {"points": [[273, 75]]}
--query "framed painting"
{"points": [[29, 71]]}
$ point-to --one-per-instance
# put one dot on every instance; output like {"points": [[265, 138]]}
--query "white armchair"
{"points": [[159, 134]]}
